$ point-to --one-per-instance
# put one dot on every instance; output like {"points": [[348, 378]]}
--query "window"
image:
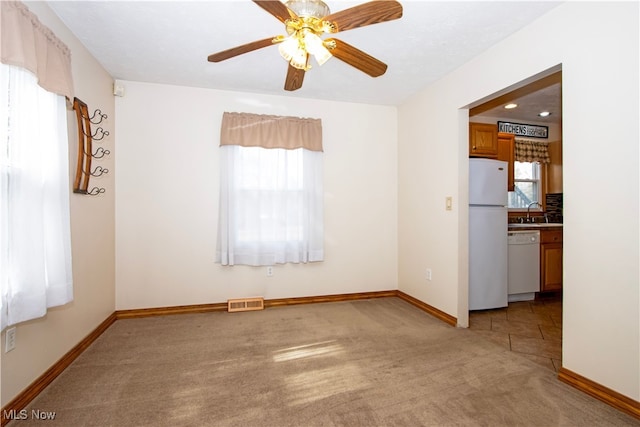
{"points": [[529, 156], [35, 238], [527, 185], [272, 179], [271, 201]]}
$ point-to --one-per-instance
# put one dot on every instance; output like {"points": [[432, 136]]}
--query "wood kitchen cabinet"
{"points": [[553, 170], [506, 152], [550, 260], [483, 140]]}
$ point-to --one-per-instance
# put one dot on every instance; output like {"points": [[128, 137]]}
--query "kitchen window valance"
{"points": [[527, 150], [28, 44], [257, 130]]}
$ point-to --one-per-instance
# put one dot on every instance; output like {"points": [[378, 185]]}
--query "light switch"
{"points": [[449, 203]]}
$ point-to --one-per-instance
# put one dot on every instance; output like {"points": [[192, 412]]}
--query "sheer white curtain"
{"points": [[271, 206], [271, 194], [35, 238]]}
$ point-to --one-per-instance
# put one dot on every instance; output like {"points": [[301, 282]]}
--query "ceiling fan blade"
{"points": [[295, 76], [356, 58], [369, 13], [277, 9], [239, 50]]}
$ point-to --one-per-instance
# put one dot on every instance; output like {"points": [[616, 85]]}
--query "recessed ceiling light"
{"points": [[544, 114], [510, 106]]}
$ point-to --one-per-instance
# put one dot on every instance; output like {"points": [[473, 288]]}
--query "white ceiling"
{"points": [[530, 105], [168, 42]]}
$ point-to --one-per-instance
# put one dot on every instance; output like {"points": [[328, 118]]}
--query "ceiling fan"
{"points": [[305, 21]]}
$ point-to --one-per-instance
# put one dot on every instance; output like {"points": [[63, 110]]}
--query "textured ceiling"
{"points": [[168, 42]]}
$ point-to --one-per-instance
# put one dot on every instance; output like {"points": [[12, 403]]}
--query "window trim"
{"points": [[541, 190]]}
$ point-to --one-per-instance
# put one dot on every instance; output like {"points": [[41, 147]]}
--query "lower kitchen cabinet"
{"points": [[550, 260]]}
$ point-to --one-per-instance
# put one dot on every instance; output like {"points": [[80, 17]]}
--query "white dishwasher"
{"points": [[523, 264]]}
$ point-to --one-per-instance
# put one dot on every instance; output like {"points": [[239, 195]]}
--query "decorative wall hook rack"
{"points": [[96, 118], [95, 191], [85, 150], [99, 171], [95, 136], [99, 153]]}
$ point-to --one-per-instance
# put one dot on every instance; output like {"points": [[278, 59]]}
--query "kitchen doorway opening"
{"points": [[532, 327]]}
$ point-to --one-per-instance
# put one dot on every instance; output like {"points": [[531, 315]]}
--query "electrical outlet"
{"points": [[269, 271], [10, 340], [428, 275]]}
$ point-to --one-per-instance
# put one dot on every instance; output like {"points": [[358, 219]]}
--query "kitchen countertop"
{"points": [[533, 226]]}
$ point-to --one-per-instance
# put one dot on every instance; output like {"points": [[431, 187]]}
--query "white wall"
{"points": [[42, 342], [167, 199], [599, 57]]}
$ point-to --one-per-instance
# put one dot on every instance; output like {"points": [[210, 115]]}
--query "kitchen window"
{"points": [[530, 155], [527, 185]]}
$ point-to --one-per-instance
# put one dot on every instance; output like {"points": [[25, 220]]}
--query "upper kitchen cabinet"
{"points": [[483, 140], [553, 170], [506, 152]]}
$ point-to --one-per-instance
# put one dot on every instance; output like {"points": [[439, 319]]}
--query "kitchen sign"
{"points": [[519, 129]]}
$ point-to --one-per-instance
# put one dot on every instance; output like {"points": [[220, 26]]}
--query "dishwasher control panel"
{"points": [[523, 237]]}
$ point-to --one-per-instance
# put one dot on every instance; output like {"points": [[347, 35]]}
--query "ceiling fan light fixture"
{"points": [[299, 60], [289, 47], [315, 46], [295, 48], [322, 56], [309, 8], [305, 22], [293, 51]]}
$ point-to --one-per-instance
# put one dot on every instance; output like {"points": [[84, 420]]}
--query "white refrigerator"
{"points": [[487, 234]]}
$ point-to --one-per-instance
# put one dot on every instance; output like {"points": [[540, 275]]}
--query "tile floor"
{"points": [[531, 328]]}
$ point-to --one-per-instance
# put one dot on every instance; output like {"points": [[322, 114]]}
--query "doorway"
{"points": [[531, 327]]}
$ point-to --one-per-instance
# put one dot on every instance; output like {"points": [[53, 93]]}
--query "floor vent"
{"points": [[245, 304]]}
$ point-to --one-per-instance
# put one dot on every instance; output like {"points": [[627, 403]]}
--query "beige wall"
{"points": [[598, 54], [167, 199], [386, 179], [41, 342]]}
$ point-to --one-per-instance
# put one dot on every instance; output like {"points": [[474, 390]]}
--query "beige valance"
{"points": [[27, 43], [527, 150], [256, 130]]}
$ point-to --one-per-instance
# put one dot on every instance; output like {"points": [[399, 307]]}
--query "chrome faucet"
{"points": [[529, 208]]}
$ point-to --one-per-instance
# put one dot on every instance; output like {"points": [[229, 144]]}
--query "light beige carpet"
{"points": [[379, 362]]}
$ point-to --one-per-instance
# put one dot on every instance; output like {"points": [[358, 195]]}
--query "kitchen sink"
{"points": [[534, 225]]}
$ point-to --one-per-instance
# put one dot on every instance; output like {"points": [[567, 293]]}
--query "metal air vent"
{"points": [[245, 304]]}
